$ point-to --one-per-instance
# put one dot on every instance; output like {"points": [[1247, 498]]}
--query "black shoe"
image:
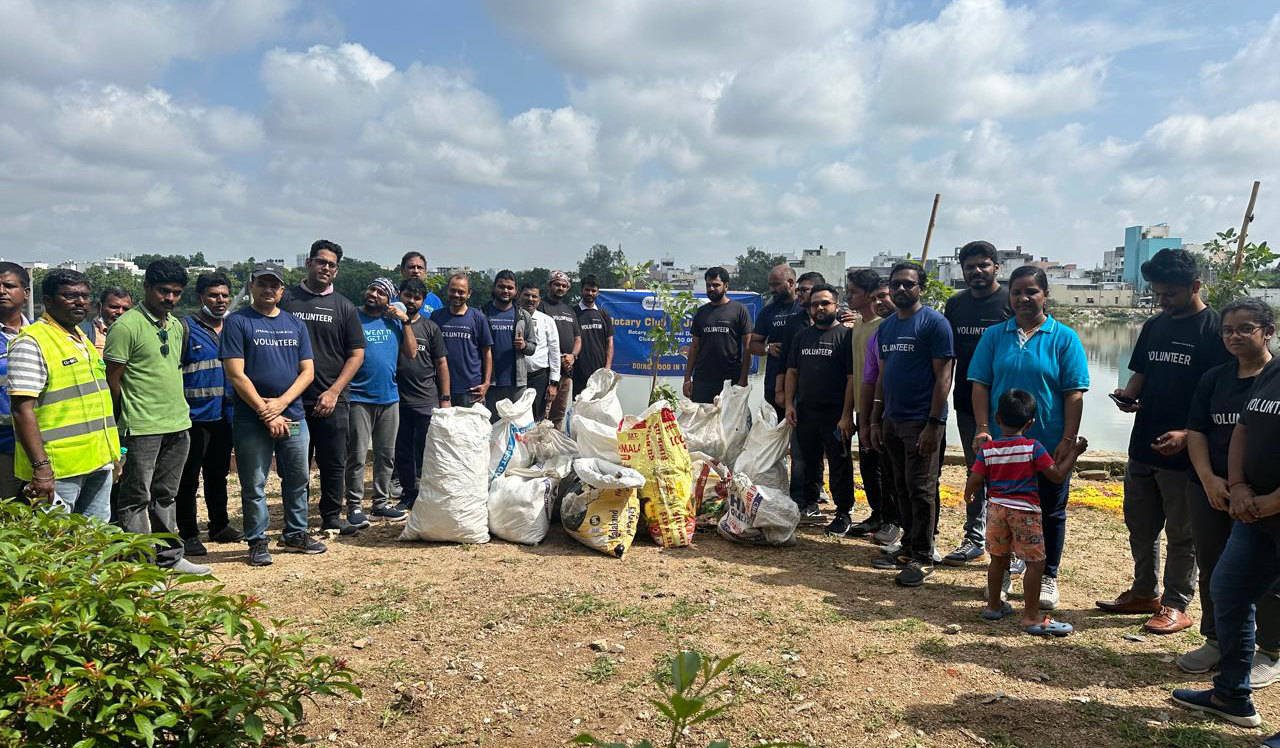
{"points": [[403, 507], [890, 561], [358, 519], [336, 522], [258, 553], [865, 527], [226, 534], [193, 547], [812, 515], [839, 526], [914, 574], [389, 514], [301, 542]]}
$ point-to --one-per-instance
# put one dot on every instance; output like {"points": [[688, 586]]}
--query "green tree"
{"points": [[537, 276], [604, 263], [753, 270], [481, 289], [664, 337], [355, 275], [1257, 268]]}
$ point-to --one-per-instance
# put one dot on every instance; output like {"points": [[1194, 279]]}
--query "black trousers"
{"points": [[915, 477], [705, 390], [328, 447], [411, 440], [210, 454], [538, 381], [816, 437], [878, 484]]}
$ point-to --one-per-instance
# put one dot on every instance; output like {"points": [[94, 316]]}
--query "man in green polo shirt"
{"points": [[144, 355]]}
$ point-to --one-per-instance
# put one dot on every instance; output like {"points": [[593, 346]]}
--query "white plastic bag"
{"points": [[700, 423], [604, 515], [758, 514], [545, 442], [520, 506], [598, 400], [761, 460], [507, 448], [735, 418], [595, 439], [453, 496]]}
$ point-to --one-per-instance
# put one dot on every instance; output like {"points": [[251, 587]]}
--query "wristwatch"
{"points": [[937, 421]]}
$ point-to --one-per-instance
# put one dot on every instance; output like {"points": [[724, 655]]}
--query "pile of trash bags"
{"points": [[608, 476]]}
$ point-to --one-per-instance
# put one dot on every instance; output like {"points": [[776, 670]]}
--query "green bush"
{"points": [[95, 650]]}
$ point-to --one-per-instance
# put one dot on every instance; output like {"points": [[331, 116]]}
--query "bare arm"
{"points": [[608, 353], [1072, 412], [1242, 495], [1134, 390], [942, 369], [1198, 451], [972, 486], [746, 365], [790, 397], [755, 344], [408, 342], [688, 365], [981, 399], [115, 372], [442, 375], [306, 373], [233, 369], [1061, 469], [577, 346], [28, 433], [349, 368]]}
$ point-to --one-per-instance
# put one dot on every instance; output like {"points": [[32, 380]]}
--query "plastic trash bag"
{"points": [[453, 495], [603, 516], [507, 448], [758, 514], [735, 418], [653, 444], [598, 400], [700, 423], [762, 458]]}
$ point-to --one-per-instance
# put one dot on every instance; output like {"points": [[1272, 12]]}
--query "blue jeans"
{"points": [[1053, 517], [1247, 570], [254, 450], [88, 494]]}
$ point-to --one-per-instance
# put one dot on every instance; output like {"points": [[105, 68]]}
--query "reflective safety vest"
{"points": [[74, 412]]}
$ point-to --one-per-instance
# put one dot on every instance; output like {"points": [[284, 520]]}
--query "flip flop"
{"points": [[996, 615], [1049, 627]]}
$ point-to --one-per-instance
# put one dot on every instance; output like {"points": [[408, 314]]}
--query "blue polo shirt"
{"points": [[1052, 364]]}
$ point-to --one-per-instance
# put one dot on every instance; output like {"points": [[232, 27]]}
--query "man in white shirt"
{"points": [[544, 364]]}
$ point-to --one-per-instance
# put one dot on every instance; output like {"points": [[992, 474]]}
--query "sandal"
{"points": [[996, 615], [1049, 627]]}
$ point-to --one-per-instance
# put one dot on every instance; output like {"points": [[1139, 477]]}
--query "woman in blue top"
{"points": [[1044, 357]]}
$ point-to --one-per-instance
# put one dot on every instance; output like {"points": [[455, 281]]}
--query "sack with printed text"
{"points": [[710, 486], [653, 444], [758, 515], [598, 400], [700, 423], [603, 515], [453, 495], [521, 501], [762, 460], [507, 447], [735, 418]]}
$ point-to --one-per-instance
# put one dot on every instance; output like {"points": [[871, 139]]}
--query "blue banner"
{"points": [[634, 312]]}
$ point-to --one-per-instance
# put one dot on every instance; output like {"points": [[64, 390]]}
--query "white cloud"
{"points": [[1250, 74], [1232, 140]]}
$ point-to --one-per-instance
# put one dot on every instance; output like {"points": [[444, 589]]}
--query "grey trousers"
{"points": [[975, 514], [371, 426], [1155, 500], [149, 488]]}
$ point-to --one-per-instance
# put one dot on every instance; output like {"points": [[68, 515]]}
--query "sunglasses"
{"points": [[905, 284], [164, 341]]}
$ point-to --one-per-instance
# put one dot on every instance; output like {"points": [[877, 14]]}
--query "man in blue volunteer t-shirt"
{"points": [[766, 339], [511, 328], [910, 415], [469, 344]]}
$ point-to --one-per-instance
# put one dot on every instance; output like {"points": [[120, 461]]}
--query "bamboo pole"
{"points": [[933, 218], [1244, 228]]}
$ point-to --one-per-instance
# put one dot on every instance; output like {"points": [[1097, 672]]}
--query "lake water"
{"points": [[1108, 346]]}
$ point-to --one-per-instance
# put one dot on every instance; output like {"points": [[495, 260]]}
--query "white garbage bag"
{"points": [[545, 442], [603, 516], [453, 496], [762, 458], [758, 514], [598, 400], [521, 502], [595, 439], [700, 423], [507, 447], [735, 418]]}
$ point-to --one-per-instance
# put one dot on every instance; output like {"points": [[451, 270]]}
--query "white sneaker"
{"points": [[1202, 659], [1048, 593], [186, 567], [1265, 670]]}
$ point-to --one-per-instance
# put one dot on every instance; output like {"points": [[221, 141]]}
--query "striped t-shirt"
{"points": [[1010, 467]]}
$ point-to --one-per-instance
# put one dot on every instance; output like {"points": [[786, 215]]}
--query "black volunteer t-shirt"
{"points": [[566, 322], [1215, 408], [1261, 417], [335, 329], [822, 360], [597, 329], [969, 317], [416, 377], [770, 324], [1172, 355], [720, 331]]}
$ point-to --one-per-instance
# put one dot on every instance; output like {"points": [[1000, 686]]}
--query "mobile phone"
{"points": [[294, 428], [1123, 399]]}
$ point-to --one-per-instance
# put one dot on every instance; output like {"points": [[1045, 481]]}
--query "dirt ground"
{"points": [[492, 644]]}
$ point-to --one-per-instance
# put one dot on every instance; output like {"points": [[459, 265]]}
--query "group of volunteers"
{"points": [[118, 416]]}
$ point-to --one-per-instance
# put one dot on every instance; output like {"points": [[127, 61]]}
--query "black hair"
{"points": [[590, 279], [1176, 267], [414, 286], [456, 276], [922, 277], [323, 244], [824, 287], [23, 276], [530, 284], [881, 282], [165, 271], [716, 272], [504, 275], [206, 281], [407, 256], [1016, 409], [1037, 273], [813, 276], [61, 277], [120, 292], [1261, 311], [977, 249], [865, 279]]}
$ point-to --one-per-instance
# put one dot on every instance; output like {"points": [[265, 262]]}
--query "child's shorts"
{"points": [[1017, 530]]}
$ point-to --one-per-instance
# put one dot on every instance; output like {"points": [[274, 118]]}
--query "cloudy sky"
{"points": [[516, 133]]}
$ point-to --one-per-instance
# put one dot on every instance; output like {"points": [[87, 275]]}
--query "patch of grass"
{"points": [[1140, 735], [375, 614], [765, 616], [903, 626], [772, 677], [601, 670], [934, 646], [337, 588]]}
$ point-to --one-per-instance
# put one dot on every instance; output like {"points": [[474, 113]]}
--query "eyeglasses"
{"points": [[1243, 331], [74, 296], [323, 263], [903, 284], [164, 341]]}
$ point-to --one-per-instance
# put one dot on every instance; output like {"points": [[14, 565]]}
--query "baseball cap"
{"points": [[266, 268]]}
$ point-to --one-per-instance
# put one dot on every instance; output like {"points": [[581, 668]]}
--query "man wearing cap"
{"points": [[266, 356], [570, 333], [375, 417]]}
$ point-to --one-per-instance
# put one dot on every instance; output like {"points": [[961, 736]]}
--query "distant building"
{"points": [[117, 263], [820, 260], [301, 260], [1141, 243], [1113, 265], [1098, 295]]}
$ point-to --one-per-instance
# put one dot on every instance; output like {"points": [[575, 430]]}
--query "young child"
{"points": [[1009, 466]]}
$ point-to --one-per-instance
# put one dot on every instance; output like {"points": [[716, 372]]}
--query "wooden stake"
{"points": [[933, 217], [1244, 228]]}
